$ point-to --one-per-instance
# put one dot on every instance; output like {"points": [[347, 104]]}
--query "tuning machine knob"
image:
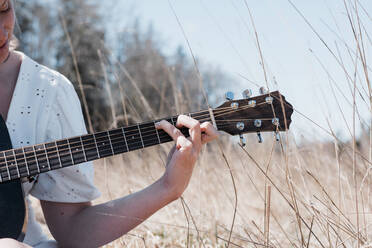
{"points": [[269, 99], [240, 126], [263, 91], [229, 96], [247, 94], [275, 121], [242, 141], [257, 123], [259, 136], [277, 136]]}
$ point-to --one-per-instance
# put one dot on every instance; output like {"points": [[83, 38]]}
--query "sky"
{"points": [[297, 63]]}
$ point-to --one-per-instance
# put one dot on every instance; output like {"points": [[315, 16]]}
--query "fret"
{"points": [[133, 138], [125, 138], [3, 168], [6, 165], [37, 162], [164, 137], [16, 164], [69, 148], [150, 134], [59, 158], [103, 144], [41, 158], [81, 141], [157, 133], [46, 155], [52, 155], [11, 163], [172, 121], [139, 131], [76, 148], [118, 141], [64, 153], [1, 176], [108, 135], [90, 147], [95, 142], [26, 165], [31, 160], [21, 162]]}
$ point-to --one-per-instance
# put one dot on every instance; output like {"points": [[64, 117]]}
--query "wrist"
{"points": [[170, 191]]}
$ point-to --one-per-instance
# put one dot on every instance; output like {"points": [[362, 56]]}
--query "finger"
{"points": [[169, 129], [183, 143], [209, 132], [193, 126]]}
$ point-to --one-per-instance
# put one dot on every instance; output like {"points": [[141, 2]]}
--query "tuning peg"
{"points": [[269, 99], [257, 123], [277, 136], [252, 103], [275, 121], [240, 126], [229, 96], [247, 94], [260, 139], [263, 91], [242, 140]]}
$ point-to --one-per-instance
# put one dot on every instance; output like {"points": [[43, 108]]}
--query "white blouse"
{"points": [[45, 107]]}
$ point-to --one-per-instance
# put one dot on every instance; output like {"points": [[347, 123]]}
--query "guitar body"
{"points": [[13, 217]]}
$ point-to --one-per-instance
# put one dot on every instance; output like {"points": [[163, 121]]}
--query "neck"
{"points": [[33, 160], [10, 67], [6, 65]]}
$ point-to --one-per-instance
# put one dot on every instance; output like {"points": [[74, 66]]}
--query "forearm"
{"points": [[101, 224]]}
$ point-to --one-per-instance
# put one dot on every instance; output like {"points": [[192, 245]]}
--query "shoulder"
{"points": [[44, 78]]}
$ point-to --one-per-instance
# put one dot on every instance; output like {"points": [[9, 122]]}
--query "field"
{"points": [[312, 196], [288, 193]]}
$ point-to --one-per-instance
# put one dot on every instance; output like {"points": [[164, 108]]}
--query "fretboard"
{"points": [[32, 160]]}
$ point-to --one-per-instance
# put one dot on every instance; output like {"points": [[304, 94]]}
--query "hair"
{"points": [[14, 42]]}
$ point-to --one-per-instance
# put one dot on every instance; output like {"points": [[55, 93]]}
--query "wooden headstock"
{"points": [[267, 112]]}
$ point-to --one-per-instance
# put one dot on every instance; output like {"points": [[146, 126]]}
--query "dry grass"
{"points": [[320, 192], [326, 216]]}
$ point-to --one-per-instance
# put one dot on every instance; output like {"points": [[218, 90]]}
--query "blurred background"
{"points": [[135, 60]]}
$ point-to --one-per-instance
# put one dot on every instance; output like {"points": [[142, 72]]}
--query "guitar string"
{"points": [[112, 136], [47, 157], [132, 132], [13, 158], [128, 133], [77, 155]]}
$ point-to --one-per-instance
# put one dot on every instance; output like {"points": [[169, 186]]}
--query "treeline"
{"points": [[123, 81]]}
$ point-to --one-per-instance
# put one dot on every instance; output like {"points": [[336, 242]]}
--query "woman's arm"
{"points": [[11, 243], [84, 225]]}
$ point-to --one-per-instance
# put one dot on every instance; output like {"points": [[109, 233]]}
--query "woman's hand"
{"points": [[182, 157]]}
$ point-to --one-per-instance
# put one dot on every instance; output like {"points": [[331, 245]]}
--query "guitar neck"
{"points": [[32, 160]]}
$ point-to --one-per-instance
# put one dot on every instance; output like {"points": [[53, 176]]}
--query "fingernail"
{"points": [[157, 124]]}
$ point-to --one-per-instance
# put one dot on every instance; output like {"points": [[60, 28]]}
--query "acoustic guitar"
{"points": [[267, 112]]}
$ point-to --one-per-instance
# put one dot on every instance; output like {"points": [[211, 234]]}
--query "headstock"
{"points": [[264, 113]]}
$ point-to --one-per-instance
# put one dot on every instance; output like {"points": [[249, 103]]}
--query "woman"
{"points": [[33, 96]]}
